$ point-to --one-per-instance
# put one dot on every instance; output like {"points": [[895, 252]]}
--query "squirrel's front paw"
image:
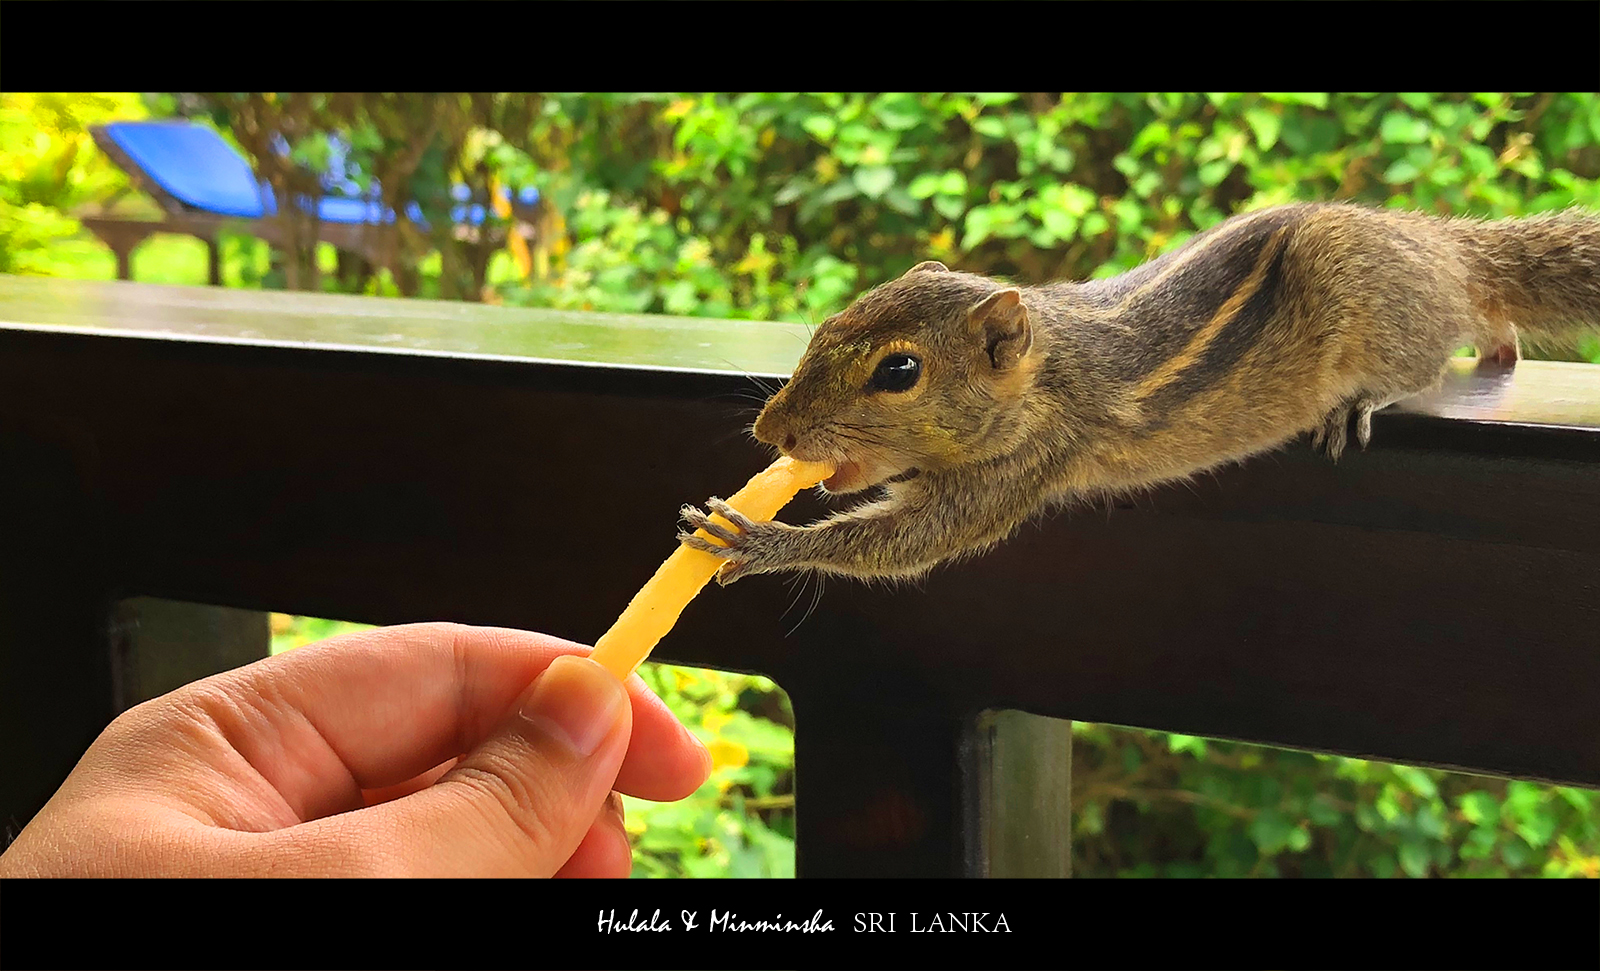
{"points": [[750, 547]]}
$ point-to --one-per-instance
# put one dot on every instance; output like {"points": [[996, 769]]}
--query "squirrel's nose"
{"points": [[768, 427]]}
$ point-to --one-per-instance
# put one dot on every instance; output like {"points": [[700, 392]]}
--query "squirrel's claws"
{"points": [[735, 565], [1333, 434], [1364, 426], [699, 520], [732, 515], [732, 571], [746, 548], [701, 543]]}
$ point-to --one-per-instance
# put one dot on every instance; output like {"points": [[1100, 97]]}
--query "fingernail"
{"points": [[575, 701]]}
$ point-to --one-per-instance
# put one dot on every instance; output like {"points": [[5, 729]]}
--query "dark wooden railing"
{"points": [[1433, 600]]}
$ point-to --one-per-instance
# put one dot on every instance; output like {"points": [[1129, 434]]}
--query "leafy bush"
{"points": [[49, 169], [741, 822], [810, 189], [1153, 804], [629, 261]]}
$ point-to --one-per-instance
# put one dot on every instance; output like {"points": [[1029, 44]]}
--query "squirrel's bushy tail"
{"points": [[1541, 274]]}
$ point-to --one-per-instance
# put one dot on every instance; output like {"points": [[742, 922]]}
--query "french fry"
{"points": [[655, 608]]}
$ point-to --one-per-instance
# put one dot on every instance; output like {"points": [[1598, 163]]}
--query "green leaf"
{"points": [[792, 190], [1418, 780], [953, 183], [1270, 831], [1076, 199], [1266, 125], [1400, 172], [989, 126], [1322, 812], [1212, 173], [924, 185], [820, 127], [898, 112], [1515, 853], [1479, 808], [837, 192], [1315, 99], [1538, 830], [1403, 129], [873, 180], [950, 207], [900, 201], [1064, 225], [980, 223], [1186, 743], [1414, 858], [1154, 134]]}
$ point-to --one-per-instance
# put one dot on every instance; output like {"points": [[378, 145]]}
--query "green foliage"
{"points": [[741, 822], [49, 169], [807, 189], [290, 632], [1153, 805], [629, 261]]}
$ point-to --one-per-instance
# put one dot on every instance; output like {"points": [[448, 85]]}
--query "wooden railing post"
{"points": [[56, 685], [1019, 805], [159, 645]]}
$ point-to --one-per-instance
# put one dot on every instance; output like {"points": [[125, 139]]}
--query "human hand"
{"points": [[418, 750]]}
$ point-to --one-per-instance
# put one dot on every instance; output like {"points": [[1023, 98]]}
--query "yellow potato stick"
{"points": [[655, 608]]}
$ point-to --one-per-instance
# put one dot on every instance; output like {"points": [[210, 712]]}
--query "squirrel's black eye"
{"points": [[897, 372]]}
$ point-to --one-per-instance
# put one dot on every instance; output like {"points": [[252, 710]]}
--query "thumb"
{"points": [[522, 802]]}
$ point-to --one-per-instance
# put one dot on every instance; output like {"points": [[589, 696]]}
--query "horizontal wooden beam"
{"points": [[1434, 599]]}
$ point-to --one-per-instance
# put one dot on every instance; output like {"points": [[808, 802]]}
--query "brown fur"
{"points": [[1290, 319]]}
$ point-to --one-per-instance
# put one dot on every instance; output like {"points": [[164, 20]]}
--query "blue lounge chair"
{"points": [[202, 184]]}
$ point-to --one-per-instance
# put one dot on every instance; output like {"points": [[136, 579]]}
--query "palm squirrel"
{"points": [[973, 403]]}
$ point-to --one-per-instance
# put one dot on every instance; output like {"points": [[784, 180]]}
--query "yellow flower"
{"points": [[714, 720], [727, 755]]}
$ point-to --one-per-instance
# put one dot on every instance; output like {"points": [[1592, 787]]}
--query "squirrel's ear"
{"points": [[928, 266], [1000, 321]]}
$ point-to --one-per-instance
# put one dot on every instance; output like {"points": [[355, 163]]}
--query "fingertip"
{"points": [[707, 763], [576, 702]]}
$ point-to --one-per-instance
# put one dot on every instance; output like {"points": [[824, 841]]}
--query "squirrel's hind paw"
{"points": [[1334, 432], [1330, 437]]}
